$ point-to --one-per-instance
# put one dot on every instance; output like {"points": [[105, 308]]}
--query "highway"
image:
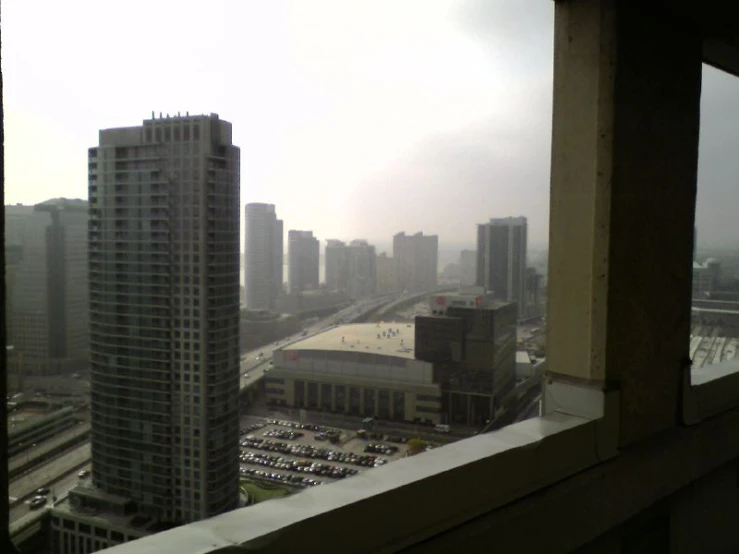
{"points": [[42, 476], [58, 489], [42, 449]]}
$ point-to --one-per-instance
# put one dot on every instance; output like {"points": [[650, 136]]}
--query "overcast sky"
{"points": [[356, 118]]}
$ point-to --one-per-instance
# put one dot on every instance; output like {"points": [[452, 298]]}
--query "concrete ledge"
{"points": [[581, 508], [709, 391], [400, 504]]}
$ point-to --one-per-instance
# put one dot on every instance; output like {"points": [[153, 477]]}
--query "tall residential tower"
{"points": [[164, 320], [417, 259], [263, 246], [351, 268], [303, 251], [501, 259]]}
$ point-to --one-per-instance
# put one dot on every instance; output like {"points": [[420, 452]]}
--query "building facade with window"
{"points": [[303, 253], [263, 256], [362, 369], [351, 268], [417, 261], [501, 259], [164, 319], [47, 311]]}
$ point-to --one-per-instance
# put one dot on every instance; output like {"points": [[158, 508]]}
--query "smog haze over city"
{"points": [[357, 119]]}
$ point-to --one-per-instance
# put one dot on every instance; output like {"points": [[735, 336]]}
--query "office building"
{"points": [[303, 252], [417, 261], [351, 268], [471, 339], [47, 305], [501, 259], [468, 268], [164, 326], [387, 274], [263, 245]]}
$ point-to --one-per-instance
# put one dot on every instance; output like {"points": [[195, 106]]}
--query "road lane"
{"points": [[23, 486]]}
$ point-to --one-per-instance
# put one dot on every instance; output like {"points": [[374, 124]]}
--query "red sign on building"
{"points": [[291, 355]]}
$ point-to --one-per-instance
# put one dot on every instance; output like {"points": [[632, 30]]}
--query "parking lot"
{"points": [[306, 455]]}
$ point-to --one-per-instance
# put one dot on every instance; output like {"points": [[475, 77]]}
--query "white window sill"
{"points": [[403, 502]]}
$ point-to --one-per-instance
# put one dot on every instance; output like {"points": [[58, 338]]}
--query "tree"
{"points": [[416, 446]]}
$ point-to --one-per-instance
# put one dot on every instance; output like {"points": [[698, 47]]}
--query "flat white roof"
{"points": [[399, 339]]}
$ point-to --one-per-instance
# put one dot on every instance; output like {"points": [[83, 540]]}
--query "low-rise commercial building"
{"points": [[451, 367], [366, 369]]}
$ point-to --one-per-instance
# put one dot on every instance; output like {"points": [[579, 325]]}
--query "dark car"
{"points": [[43, 491]]}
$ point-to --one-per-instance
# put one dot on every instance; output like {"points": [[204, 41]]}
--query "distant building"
{"points": [[417, 258], [351, 268], [501, 259], [533, 298], [263, 260], [303, 251], [15, 217], [164, 333], [337, 271], [387, 274], [468, 268], [451, 273], [48, 301], [706, 277]]}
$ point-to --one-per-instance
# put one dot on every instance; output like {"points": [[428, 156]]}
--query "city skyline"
{"points": [[342, 116]]}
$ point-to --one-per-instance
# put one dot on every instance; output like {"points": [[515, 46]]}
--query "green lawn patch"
{"points": [[261, 492]]}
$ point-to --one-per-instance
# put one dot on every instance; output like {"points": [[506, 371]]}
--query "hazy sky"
{"points": [[356, 118]]}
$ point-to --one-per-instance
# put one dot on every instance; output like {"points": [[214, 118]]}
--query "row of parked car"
{"points": [[307, 451], [303, 426], [280, 478], [251, 428], [387, 449], [283, 434], [300, 466]]}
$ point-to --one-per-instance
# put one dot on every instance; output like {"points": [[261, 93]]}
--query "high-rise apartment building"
{"points": [[303, 252], [47, 311], [263, 245], [417, 260], [337, 274], [164, 324], [501, 259], [351, 268], [387, 274]]}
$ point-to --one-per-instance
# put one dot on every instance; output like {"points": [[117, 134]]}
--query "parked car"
{"points": [[82, 474]]}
